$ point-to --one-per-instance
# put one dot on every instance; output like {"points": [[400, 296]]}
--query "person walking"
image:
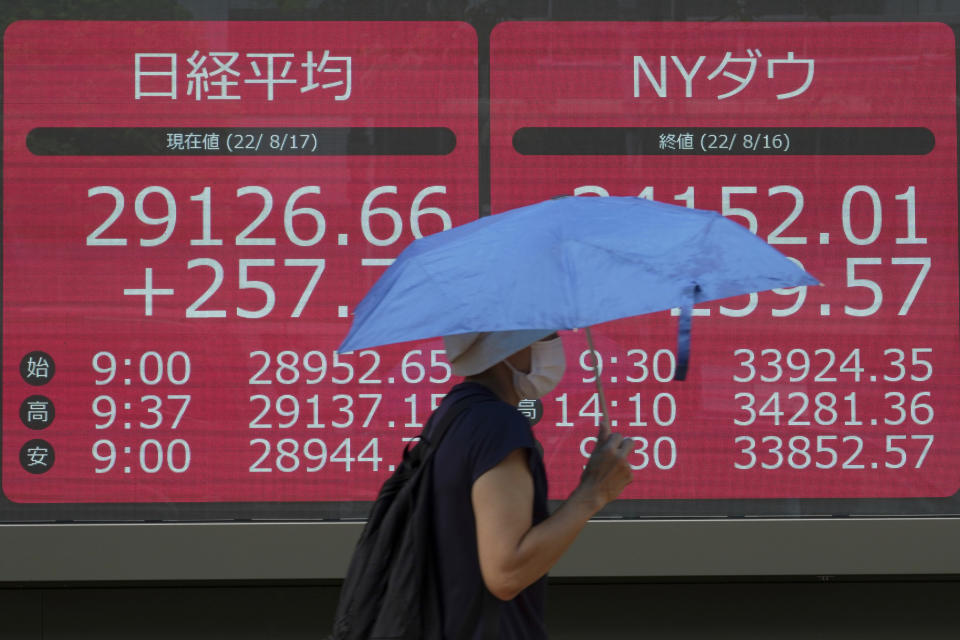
{"points": [[495, 540]]}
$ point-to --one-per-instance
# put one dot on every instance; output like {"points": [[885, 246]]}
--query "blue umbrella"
{"points": [[567, 263]]}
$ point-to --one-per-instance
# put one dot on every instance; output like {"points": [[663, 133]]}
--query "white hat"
{"points": [[471, 353]]}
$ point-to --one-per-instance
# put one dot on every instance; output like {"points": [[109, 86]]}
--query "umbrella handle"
{"points": [[605, 427]]}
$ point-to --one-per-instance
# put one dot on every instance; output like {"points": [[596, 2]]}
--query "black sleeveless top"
{"points": [[484, 434]]}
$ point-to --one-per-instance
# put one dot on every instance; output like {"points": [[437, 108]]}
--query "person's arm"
{"points": [[513, 553]]}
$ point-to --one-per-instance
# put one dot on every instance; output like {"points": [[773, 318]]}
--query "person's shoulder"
{"points": [[488, 407], [489, 430], [499, 412], [497, 422]]}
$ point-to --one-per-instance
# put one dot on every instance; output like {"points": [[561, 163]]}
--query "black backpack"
{"points": [[391, 590]]}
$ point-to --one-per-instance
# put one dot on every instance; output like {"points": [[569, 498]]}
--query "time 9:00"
{"points": [[152, 367]]}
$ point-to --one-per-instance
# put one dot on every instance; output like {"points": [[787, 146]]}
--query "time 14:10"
{"points": [[663, 410]]}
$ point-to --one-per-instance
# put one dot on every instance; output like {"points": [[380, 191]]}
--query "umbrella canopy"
{"points": [[565, 263]]}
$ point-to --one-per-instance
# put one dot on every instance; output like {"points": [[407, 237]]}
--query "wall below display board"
{"points": [[843, 609]]}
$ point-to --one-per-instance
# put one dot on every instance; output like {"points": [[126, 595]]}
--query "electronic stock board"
{"points": [[192, 209]]}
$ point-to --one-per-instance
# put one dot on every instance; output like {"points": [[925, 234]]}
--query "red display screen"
{"points": [[191, 212], [834, 142]]}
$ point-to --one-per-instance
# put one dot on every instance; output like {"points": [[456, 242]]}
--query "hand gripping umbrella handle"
{"points": [[605, 425]]}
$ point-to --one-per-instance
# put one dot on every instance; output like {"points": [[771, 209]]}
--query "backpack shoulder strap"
{"points": [[440, 423]]}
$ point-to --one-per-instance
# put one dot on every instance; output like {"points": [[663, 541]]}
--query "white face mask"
{"points": [[547, 364]]}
